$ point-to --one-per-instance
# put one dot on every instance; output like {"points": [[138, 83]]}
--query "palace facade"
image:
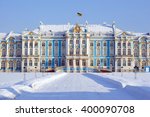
{"points": [[74, 48]]}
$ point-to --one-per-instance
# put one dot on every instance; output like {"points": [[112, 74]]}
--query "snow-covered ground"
{"points": [[68, 86]]}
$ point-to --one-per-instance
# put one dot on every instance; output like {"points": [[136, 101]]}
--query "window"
{"points": [[129, 51], [31, 44], [84, 62], [119, 62], [98, 62], [30, 62], [77, 41], [35, 62], [26, 44], [36, 52], [119, 44], [36, 45], [124, 62], [56, 63], [71, 41], [31, 52], [91, 63], [63, 62], [49, 62], [91, 44], [43, 63], [129, 44], [43, 44], [56, 44], [25, 62], [77, 62], [3, 65], [10, 64], [83, 42], [3, 53], [129, 62], [124, 51], [119, 51], [112, 62], [11, 52], [105, 64], [98, 44], [50, 44], [124, 44], [104, 43], [70, 62]]}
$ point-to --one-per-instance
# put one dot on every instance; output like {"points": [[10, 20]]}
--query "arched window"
{"points": [[30, 62], [50, 44]]}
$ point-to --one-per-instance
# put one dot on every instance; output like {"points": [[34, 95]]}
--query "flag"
{"points": [[79, 14]]}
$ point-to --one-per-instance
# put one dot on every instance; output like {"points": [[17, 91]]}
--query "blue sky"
{"points": [[132, 15]]}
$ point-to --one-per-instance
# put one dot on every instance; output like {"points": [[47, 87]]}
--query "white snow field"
{"points": [[75, 86]]}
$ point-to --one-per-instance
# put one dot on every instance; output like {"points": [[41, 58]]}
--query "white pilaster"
{"points": [[33, 48], [28, 47]]}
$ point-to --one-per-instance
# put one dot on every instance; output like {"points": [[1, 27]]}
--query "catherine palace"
{"points": [[74, 48]]}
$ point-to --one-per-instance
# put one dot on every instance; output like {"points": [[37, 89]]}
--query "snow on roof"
{"points": [[2, 35], [62, 28]]}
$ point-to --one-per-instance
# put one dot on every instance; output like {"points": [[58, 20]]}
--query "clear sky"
{"points": [[131, 15]]}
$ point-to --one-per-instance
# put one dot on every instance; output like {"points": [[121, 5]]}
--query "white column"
{"points": [[116, 50], [80, 64], [33, 48], [67, 65], [23, 48], [87, 65], [74, 64], [7, 54], [0, 64], [116, 65], [28, 47], [80, 46], [67, 46], [15, 50], [74, 46], [87, 46]]}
